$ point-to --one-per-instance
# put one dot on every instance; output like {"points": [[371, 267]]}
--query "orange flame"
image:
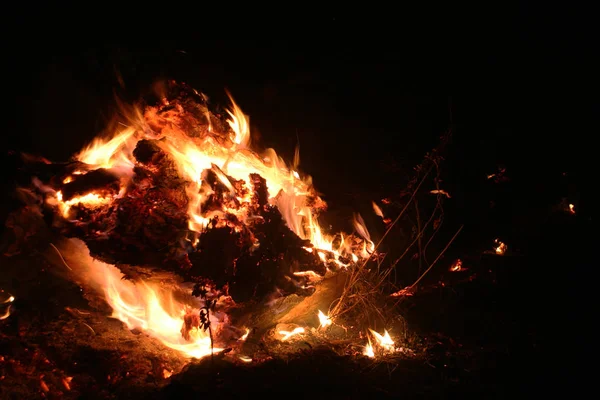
{"points": [[369, 352], [6, 300], [90, 200], [150, 308], [287, 189], [146, 306], [285, 335], [500, 249], [457, 266], [385, 341], [324, 320]]}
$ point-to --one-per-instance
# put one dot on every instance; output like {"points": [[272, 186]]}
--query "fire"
{"points": [[456, 266], [572, 208], [152, 309], [500, 249], [229, 157], [6, 301], [383, 342], [369, 352], [285, 335], [324, 320], [110, 153], [90, 200], [244, 336], [292, 193]]}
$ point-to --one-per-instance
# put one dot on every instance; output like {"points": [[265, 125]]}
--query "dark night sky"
{"points": [[365, 93]]}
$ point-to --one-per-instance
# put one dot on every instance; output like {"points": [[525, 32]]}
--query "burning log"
{"points": [[100, 181]]}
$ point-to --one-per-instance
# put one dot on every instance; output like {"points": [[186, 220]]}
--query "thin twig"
{"points": [[356, 273], [438, 257], [61, 257], [89, 327], [419, 236]]}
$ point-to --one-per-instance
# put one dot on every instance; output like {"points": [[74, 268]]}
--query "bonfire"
{"points": [[201, 240]]}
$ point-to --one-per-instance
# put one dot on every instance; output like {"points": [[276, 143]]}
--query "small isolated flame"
{"points": [[369, 352], [500, 249], [456, 266], [572, 209], [377, 210], [384, 341], [6, 301], [324, 320]]}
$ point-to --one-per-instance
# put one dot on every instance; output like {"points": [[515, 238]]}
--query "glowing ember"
{"points": [[406, 292], [456, 266], [572, 208], [245, 359], [324, 320], [442, 192], [500, 249], [90, 200]]}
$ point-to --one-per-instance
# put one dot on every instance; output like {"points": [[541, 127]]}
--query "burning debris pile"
{"points": [[182, 189], [178, 189]]}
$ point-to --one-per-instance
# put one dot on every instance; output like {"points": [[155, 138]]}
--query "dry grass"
{"points": [[366, 296]]}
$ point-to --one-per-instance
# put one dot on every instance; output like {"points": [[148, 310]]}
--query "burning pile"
{"points": [[180, 189]]}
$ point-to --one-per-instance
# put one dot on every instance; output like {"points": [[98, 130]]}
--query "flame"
{"points": [[456, 266], [501, 248], [369, 352], [6, 300], [572, 208], [324, 320], [361, 229], [90, 200], [244, 336], [103, 153], [152, 309], [385, 340], [292, 193], [285, 335], [377, 210]]}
